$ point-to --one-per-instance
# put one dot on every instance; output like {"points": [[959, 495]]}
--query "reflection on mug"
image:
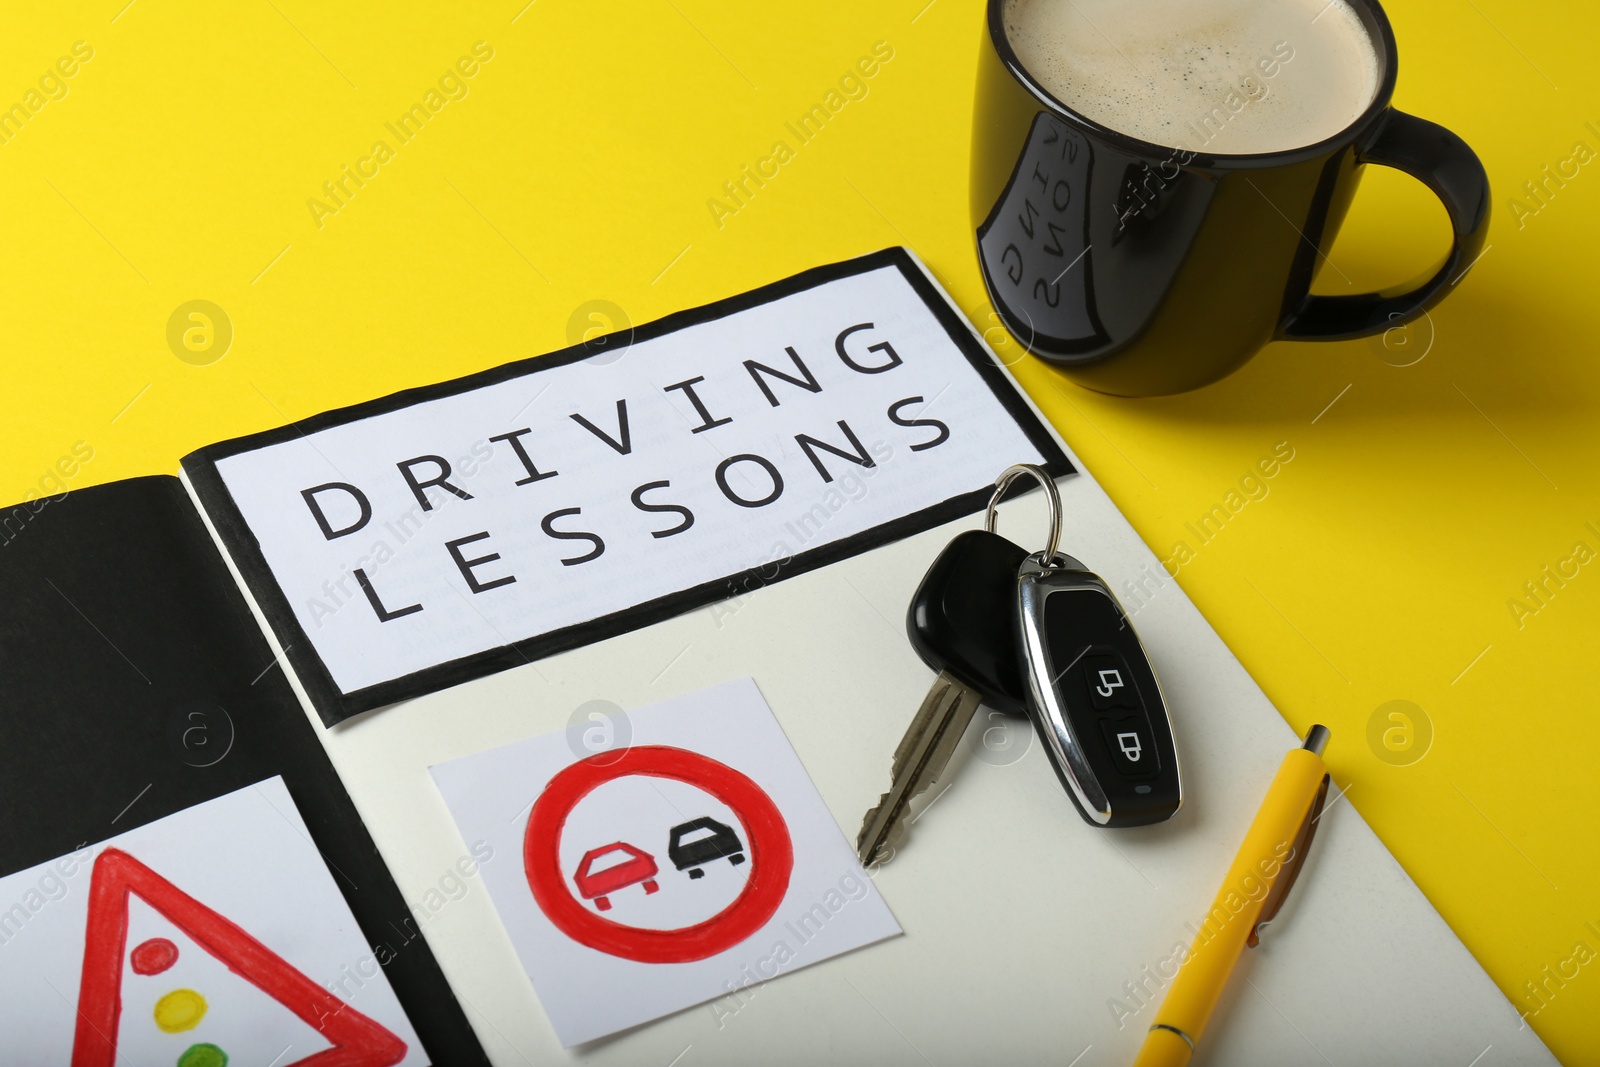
{"points": [[1035, 248]]}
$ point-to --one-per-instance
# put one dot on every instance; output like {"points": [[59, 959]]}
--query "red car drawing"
{"points": [[619, 866]]}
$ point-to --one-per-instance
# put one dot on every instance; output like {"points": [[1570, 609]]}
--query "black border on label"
{"points": [[334, 705]]}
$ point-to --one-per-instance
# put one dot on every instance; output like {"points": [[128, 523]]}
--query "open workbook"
{"points": [[224, 695]]}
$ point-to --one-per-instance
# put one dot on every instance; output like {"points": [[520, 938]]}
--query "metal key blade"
{"points": [[920, 758]]}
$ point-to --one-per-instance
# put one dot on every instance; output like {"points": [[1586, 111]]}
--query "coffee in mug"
{"points": [[1227, 76]]}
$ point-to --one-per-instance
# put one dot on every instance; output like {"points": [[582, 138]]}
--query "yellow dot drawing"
{"points": [[181, 1009]]}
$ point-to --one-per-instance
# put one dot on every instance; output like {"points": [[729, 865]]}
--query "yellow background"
{"points": [[578, 167]]}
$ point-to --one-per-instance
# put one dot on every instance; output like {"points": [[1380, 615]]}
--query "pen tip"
{"points": [[1317, 739]]}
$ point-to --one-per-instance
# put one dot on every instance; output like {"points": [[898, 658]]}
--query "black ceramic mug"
{"points": [[1143, 270]]}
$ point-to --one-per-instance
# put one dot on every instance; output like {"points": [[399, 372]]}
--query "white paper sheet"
{"points": [[245, 857], [580, 538], [774, 913]]}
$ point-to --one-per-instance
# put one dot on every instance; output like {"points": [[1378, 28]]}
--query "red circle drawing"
{"points": [[771, 855], [153, 956]]}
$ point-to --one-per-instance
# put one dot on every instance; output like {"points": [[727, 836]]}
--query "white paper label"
{"points": [[466, 522]]}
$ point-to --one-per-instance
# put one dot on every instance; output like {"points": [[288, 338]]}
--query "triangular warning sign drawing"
{"points": [[356, 1040]]}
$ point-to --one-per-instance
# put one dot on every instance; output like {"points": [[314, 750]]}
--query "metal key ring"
{"points": [[1002, 483]]}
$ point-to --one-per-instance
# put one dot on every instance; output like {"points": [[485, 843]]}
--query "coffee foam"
{"points": [[1215, 77]]}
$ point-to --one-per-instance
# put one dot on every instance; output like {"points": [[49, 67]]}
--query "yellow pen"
{"points": [[1261, 876]]}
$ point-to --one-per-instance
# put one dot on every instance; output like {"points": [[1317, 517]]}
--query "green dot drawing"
{"points": [[205, 1055]]}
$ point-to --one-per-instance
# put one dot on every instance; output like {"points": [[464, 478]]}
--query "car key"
{"points": [[995, 622], [959, 623], [1090, 690]]}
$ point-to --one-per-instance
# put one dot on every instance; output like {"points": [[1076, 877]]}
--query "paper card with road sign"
{"points": [[215, 935], [688, 859]]}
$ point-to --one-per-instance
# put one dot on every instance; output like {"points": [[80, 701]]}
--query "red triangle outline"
{"points": [[357, 1040]]}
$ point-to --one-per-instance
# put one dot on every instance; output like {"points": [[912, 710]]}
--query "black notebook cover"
{"points": [[122, 632]]}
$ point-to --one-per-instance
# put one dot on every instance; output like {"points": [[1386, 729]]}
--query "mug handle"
{"points": [[1444, 163]]}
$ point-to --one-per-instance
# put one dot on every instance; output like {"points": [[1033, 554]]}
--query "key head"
{"points": [[1094, 697], [960, 620]]}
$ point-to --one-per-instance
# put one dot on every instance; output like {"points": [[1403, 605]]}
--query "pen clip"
{"points": [[1291, 869]]}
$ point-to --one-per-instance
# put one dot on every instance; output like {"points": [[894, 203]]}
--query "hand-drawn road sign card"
{"points": [[213, 936], [694, 861], [426, 538]]}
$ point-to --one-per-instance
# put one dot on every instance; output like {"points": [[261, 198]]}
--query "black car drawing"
{"points": [[699, 841]]}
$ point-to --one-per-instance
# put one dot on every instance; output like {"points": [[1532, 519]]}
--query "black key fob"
{"points": [[1093, 696], [959, 620]]}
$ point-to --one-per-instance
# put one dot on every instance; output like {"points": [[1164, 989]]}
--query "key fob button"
{"points": [[1133, 753], [1110, 682]]}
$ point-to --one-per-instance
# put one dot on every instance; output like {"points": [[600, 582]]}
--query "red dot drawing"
{"points": [[153, 956], [357, 1040], [770, 848]]}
